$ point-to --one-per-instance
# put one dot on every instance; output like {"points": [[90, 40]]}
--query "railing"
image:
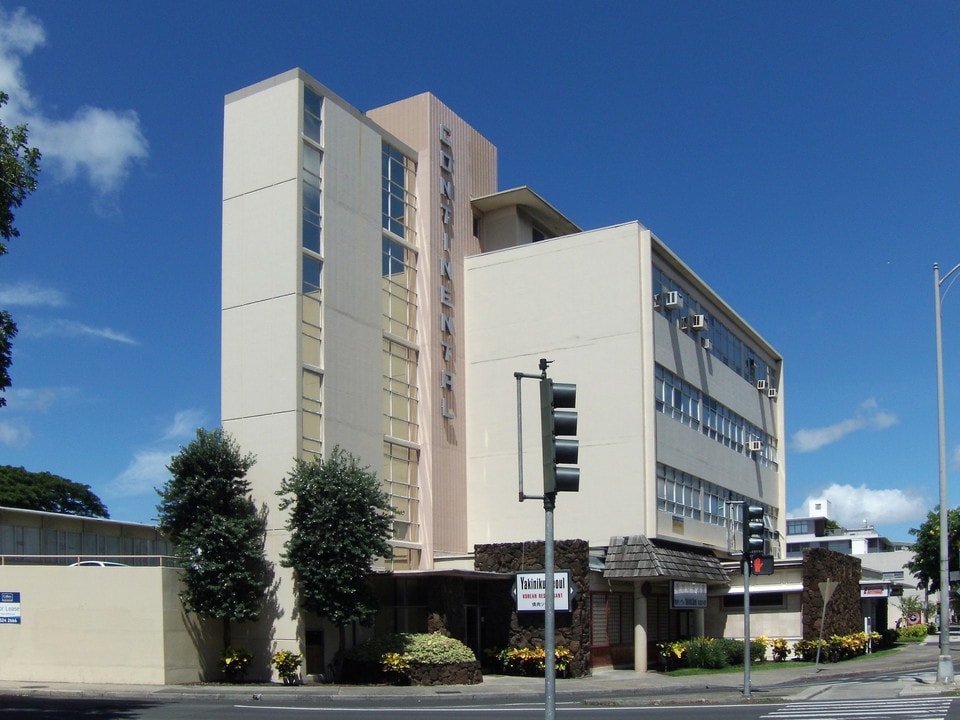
{"points": [[92, 560]]}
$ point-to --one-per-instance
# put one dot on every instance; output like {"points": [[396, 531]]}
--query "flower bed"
{"points": [[721, 652]]}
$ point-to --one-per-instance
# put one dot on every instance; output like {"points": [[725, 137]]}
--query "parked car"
{"points": [[97, 563]]}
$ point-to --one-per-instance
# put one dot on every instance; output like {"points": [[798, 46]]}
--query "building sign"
{"points": [[687, 595], [446, 288], [531, 595], [874, 591], [9, 608]]}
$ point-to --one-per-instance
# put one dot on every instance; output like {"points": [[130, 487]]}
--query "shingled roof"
{"points": [[637, 556]]}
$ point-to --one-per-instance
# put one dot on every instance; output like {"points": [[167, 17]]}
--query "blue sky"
{"points": [[803, 158]]}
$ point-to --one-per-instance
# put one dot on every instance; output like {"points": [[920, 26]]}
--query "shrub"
{"points": [[234, 663], [837, 647], [532, 661], [396, 655], [780, 649], [437, 649], [287, 665], [912, 633], [707, 653], [888, 638]]}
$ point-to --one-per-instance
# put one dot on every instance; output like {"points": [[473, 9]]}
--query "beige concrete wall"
{"points": [[576, 301], [101, 625]]}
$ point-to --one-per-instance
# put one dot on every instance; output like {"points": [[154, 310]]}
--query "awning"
{"points": [[638, 557]]}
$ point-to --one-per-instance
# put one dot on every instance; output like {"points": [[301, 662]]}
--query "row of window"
{"points": [[725, 345], [685, 495], [35, 541], [685, 403]]}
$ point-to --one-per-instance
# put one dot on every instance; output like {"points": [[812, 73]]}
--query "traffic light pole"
{"points": [[557, 417], [549, 614], [745, 563]]}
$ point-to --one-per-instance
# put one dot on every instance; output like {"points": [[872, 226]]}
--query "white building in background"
{"points": [[884, 561], [380, 293]]}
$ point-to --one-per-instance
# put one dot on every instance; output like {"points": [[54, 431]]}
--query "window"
{"points": [[769, 600], [311, 200], [398, 199], [311, 275], [312, 107], [311, 417]]}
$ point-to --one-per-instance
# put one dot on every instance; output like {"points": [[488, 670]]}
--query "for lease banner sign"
{"points": [[9, 608]]}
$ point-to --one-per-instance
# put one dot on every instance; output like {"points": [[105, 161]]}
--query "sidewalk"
{"points": [[910, 671]]}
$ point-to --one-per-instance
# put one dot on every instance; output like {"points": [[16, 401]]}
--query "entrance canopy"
{"points": [[637, 557]]}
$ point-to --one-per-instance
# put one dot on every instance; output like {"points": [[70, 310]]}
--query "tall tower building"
{"points": [[379, 293]]}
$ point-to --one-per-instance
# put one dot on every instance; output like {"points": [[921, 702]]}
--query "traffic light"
{"points": [[753, 530], [558, 419]]}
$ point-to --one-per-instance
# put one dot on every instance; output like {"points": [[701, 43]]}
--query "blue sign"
{"points": [[9, 608]]}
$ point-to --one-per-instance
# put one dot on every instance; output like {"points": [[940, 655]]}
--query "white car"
{"points": [[97, 563]]}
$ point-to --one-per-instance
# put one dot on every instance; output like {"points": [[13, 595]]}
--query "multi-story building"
{"points": [[380, 293]]}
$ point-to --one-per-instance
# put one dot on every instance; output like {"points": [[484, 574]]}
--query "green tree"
{"points": [[208, 514], [926, 550], [45, 491], [19, 166], [339, 522]]}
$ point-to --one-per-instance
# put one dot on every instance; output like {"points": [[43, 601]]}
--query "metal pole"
{"points": [[746, 627], [549, 624], [945, 662], [519, 377]]}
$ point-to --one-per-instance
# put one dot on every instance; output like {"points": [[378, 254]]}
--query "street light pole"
{"points": [[945, 663]]}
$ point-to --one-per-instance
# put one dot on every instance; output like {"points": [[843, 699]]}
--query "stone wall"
{"points": [[508, 628], [844, 615]]}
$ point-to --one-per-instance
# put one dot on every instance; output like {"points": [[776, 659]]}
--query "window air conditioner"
{"points": [[761, 384], [706, 343], [698, 322], [756, 445], [771, 393], [670, 299]]}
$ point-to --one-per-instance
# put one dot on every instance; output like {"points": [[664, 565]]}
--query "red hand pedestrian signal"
{"points": [[761, 565]]}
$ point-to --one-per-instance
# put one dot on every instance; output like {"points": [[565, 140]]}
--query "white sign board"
{"points": [[687, 595], [531, 591]]}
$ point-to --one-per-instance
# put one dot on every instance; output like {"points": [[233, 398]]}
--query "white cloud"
{"points": [[28, 294], [14, 434], [147, 470], [852, 506], [101, 144], [35, 399], [20, 34], [868, 417], [97, 143], [34, 328], [185, 424]]}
